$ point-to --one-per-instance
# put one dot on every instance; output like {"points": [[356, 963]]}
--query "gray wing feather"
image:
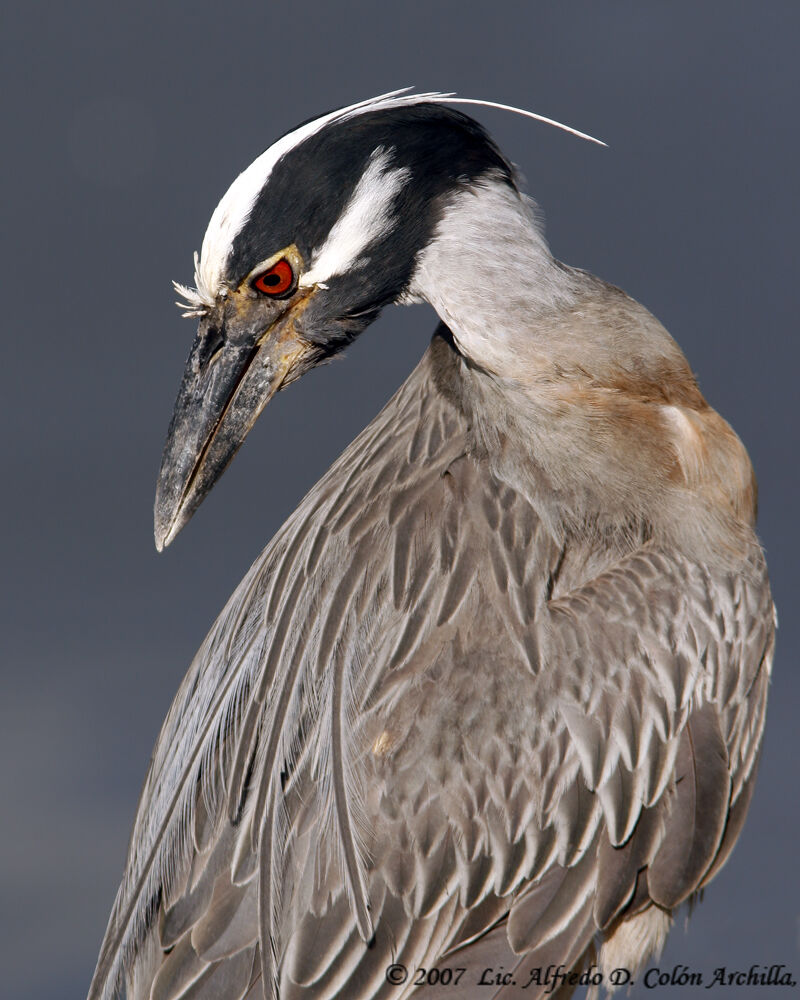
{"points": [[417, 729], [697, 817]]}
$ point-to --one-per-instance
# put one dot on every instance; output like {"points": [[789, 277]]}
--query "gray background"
{"points": [[123, 125]]}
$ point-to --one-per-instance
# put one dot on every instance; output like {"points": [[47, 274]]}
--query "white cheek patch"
{"points": [[366, 217]]}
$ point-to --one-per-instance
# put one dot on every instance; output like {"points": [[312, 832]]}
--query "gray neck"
{"points": [[490, 276]]}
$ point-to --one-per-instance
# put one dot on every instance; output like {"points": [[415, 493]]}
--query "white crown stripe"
{"points": [[236, 205]]}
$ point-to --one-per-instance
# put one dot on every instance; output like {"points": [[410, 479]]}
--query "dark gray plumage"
{"points": [[495, 692]]}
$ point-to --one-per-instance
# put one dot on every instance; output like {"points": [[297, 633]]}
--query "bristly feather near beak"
{"points": [[197, 300]]}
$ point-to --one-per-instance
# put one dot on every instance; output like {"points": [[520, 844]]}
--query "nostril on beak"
{"points": [[213, 342]]}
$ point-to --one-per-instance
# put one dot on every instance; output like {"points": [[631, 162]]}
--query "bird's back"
{"points": [[428, 721]]}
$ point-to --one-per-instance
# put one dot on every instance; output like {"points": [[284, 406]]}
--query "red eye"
{"points": [[277, 280]]}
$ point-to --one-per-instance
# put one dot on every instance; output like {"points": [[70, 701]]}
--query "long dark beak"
{"points": [[227, 383]]}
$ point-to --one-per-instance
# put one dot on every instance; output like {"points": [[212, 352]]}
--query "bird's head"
{"points": [[306, 247]]}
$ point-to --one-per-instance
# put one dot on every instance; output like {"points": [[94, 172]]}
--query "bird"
{"points": [[488, 707]]}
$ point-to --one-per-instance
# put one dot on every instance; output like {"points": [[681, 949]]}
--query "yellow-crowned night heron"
{"points": [[493, 696]]}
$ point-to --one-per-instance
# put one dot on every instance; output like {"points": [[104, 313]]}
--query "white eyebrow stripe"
{"points": [[366, 217]]}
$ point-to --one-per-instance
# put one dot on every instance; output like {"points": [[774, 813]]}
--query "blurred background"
{"points": [[123, 125]]}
